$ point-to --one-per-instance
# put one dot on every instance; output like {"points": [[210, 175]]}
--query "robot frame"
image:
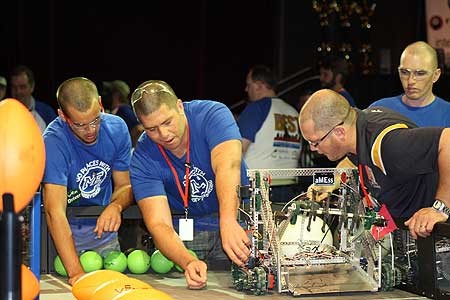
{"points": [[292, 250]]}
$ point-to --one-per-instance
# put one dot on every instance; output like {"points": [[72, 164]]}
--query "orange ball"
{"points": [[143, 295], [30, 285], [22, 153], [111, 289], [85, 287]]}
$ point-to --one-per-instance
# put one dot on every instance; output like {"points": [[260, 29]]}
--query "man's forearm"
{"points": [[168, 242], [61, 233], [226, 188], [122, 197]]}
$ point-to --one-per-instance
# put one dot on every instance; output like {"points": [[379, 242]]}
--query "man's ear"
{"points": [[436, 75], [61, 115], [340, 132], [180, 106]]}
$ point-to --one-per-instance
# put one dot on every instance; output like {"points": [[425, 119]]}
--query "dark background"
{"points": [[202, 48]]}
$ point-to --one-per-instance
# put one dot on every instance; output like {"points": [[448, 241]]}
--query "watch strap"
{"points": [[439, 205]]}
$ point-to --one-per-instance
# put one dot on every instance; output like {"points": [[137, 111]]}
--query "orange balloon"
{"points": [[110, 289], [30, 285], [22, 153], [85, 287], [143, 295]]}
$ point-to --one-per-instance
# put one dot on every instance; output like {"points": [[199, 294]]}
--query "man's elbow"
{"points": [[55, 216]]}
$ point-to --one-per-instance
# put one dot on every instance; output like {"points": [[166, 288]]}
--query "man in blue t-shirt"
{"points": [[189, 161], [418, 71], [87, 152], [22, 87]]}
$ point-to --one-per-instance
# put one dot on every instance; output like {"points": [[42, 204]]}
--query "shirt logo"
{"points": [[200, 186], [287, 139], [90, 178]]}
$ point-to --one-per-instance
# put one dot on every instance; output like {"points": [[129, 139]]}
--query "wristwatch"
{"points": [[440, 206]]}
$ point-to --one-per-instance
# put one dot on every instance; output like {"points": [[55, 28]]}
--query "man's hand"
{"points": [[422, 222], [321, 192], [109, 220], [195, 274], [235, 241]]}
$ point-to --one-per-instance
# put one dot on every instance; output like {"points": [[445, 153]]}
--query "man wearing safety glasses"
{"points": [[88, 156], [404, 167], [418, 71]]}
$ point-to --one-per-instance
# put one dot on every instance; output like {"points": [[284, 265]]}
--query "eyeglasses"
{"points": [[157, 87], [405, 73], [316, 144], [137, 94], [84, 127]]}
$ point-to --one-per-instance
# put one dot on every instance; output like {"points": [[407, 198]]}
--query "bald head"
{"points": [[325, 108], [424, 51], [79, 93]]}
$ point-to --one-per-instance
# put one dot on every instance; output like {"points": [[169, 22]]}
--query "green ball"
{"points": [[91, 261], [116, 261], [59, 267], [138, 261], [180, 269], [161, 264]]}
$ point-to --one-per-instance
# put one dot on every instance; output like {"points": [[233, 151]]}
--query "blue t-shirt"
{"points": [[210, 123], [86, 170], [252, 117], [437, 113]]}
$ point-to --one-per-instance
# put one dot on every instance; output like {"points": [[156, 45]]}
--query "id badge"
{"points": [[186, 229]]}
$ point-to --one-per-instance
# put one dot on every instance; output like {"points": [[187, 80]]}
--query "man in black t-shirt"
{"points": [[405, 167]]}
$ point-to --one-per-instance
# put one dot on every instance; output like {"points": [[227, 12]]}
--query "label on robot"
{"points": [[324, 179], [186, 228]]}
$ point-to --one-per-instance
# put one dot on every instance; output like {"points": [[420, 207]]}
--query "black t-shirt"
{"points": [[399, 160]]}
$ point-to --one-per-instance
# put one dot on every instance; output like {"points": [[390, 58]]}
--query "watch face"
{"points": [[437, 204]]}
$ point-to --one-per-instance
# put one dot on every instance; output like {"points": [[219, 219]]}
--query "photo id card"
{"points": [[186, 229]]}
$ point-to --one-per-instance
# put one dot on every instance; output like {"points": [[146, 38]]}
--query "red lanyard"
{"points": [[185, 194], [363, 187]]}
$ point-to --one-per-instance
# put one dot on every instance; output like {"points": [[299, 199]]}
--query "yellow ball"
{"points": [[111, 289], [85, 287]]}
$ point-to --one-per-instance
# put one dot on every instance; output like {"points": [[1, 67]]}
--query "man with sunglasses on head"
{"points": [[189, 163], [88, 155], [404, 167], [418, 71]]}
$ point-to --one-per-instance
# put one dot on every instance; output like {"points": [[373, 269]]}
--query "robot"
{"points": [[312, 245]]}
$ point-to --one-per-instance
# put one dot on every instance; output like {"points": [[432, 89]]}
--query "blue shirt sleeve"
{"points": [[123, 158], [219, 124], [252, 118], [57, 160]]}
